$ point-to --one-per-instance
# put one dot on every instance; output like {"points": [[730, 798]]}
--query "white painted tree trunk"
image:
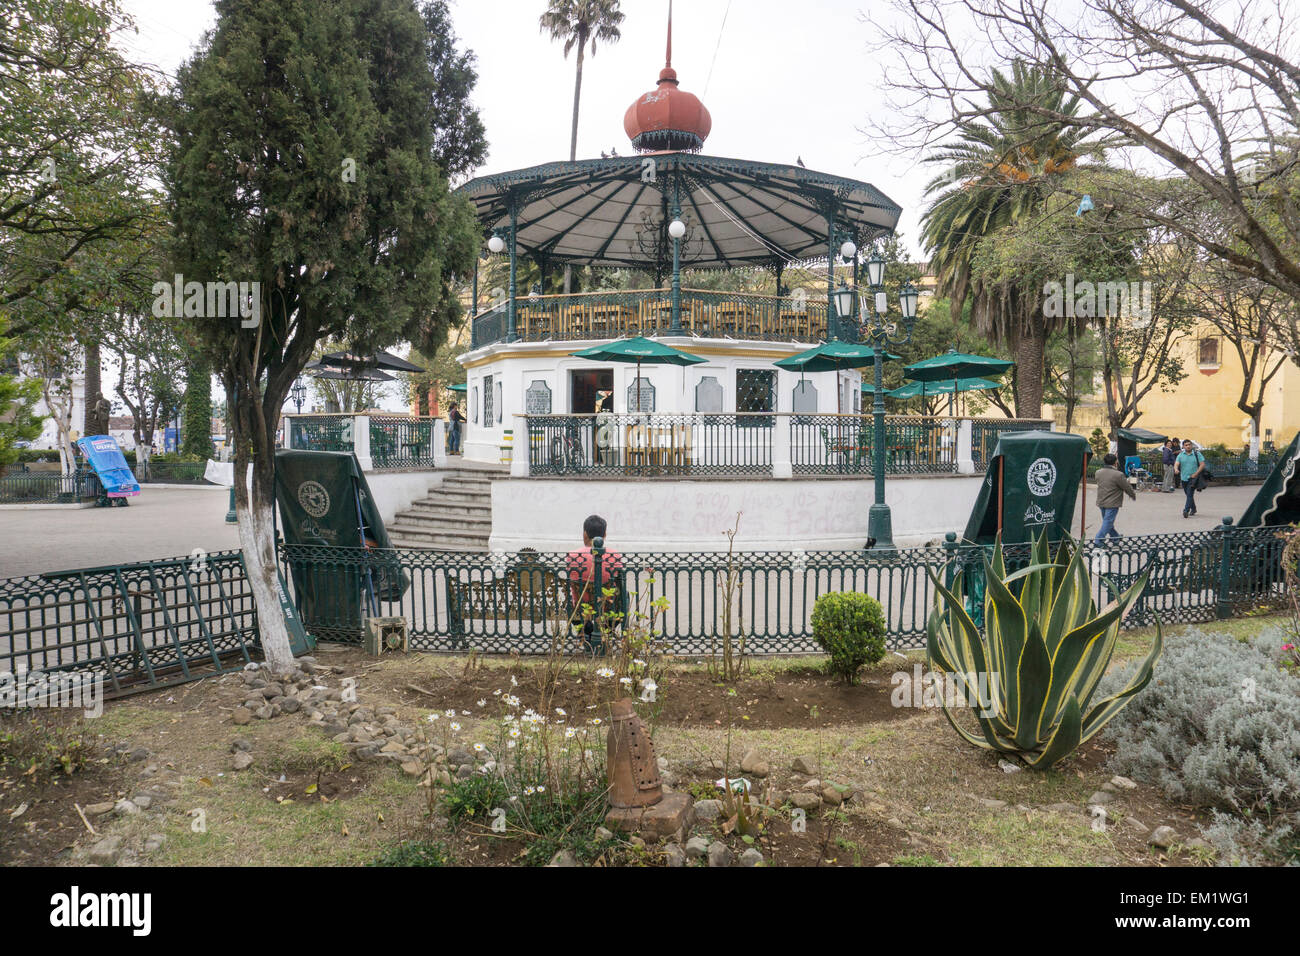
{"points": [[256, 537]]}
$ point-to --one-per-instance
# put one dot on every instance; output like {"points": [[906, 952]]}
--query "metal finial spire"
{"points": [[668, 57]]}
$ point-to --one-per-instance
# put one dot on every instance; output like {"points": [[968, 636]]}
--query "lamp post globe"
{"points": [[677, 229], [496, 244], [848, 250]]}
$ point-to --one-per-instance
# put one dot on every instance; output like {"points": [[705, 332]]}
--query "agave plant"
{"points": [[1042, 653]]}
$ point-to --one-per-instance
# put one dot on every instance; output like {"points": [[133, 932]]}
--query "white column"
{"points": [[361, 441], [439, 443], [522, 444], [781, 465], [965, 456]]}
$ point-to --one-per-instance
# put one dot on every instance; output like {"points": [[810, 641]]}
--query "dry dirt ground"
{"points": [[916, 794]]}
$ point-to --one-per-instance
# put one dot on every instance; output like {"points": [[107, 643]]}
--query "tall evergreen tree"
{"points": [[303, 158], [197, 421]]}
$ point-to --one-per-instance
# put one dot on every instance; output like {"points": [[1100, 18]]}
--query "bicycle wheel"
{"points": [[557, 453]]}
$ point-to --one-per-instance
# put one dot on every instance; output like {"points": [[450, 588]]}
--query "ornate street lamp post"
{"points": [[882, 335], [299, 393]]}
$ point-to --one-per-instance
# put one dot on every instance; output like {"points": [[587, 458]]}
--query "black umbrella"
{"points": [[379, 359]]}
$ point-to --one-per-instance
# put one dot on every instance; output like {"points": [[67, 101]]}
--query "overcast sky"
{"points": [[781, 80]]}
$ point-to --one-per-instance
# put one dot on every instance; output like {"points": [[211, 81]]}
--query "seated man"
{"points": [[581, 572]]}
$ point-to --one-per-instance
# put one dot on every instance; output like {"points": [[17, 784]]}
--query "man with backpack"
{"points": [[1191, 465]]}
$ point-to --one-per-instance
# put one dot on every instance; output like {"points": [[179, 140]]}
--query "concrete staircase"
{"points": [[455, 516]]}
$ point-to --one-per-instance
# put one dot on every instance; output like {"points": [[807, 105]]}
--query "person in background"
{"points": [[1169, 456], [1112, 486], [1190, 465], [454, 419], [1177, 446], [581, 573]]}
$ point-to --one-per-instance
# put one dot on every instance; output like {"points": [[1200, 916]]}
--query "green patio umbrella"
{"points": [[924, 389], [831, 357], [953, 366], [462, 388], [639, 349]]}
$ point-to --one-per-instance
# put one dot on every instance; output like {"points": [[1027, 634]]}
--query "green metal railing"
{"points": [[985, 431], [397, 442], [138, 626], [845, 444], [49, 487], [320, 432], [171, 472], [501, 603], [609, 445], [613, 314]]}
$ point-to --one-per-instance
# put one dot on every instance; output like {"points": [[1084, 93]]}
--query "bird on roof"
{"points": [[799, 160]]}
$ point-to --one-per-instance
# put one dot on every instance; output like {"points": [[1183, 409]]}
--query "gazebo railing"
{"points": [[704, 314], [985, 431], [655, 444]]}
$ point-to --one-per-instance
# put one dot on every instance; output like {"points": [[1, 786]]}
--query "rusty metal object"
{"points": [[632, 769]]}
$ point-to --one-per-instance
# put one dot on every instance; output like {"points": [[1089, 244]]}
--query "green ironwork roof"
{"points": [[613, 212]]}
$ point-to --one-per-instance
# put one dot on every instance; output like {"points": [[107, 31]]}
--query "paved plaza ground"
{"points": [[170, 522]]}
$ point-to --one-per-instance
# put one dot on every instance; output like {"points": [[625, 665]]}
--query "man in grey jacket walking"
{"points": [[1112, 486]]}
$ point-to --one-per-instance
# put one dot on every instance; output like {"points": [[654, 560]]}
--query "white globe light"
{"points": [[496, 244], [677, 229], [848, 250]]}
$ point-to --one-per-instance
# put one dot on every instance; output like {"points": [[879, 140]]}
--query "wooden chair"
{"points": [[640, 447]]}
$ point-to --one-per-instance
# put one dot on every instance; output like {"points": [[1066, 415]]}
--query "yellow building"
{"points": [[1203, 406]]}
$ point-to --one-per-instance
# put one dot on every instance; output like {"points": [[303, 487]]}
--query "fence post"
{"points": [[361, 442], [950, 559], [1222, 604], [523, 445], [597, 586], [782, 466], [965, 438], [439, 443]]}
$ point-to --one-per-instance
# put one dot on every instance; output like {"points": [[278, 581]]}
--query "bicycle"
{"points": [[567, 453]]}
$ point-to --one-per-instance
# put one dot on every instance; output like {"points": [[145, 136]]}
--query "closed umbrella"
{"points": [[639, 349]]}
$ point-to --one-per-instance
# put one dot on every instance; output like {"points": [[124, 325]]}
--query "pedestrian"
{"points": [[1190, 465], [454, 419], [1178, 447], [1169, 455], [1112, 486]]}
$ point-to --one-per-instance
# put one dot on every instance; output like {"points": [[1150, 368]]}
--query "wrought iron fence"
{"points": [[704, 313], [171, 472], [985, 431], [398, 442], [138, 626], [48, 487], [650, 444], [320, 432], [845, 444], [500, 602]]}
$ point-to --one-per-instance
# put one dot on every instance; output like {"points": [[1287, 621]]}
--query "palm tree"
{"points": [[579, 23], [998, 174]]}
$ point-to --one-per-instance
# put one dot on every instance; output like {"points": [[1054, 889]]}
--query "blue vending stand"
{"points": [[115, 475]]}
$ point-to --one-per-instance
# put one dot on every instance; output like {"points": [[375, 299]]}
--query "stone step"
{"points": [[406, 536], [478, 524], [446, 495], [449, 512]]}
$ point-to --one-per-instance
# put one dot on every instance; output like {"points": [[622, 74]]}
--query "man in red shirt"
{"points": [[581, 569]]}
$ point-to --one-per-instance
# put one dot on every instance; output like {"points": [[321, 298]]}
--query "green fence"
{"points": [[985, 431], [398, 442], [845, 444], [320, 432], [138, 626], [501, 603], [171, 472], [48, 487]]}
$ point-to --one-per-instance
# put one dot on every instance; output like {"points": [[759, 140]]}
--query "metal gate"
{"points": [[137, 626]]}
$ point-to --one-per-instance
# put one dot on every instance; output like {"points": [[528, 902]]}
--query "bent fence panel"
{"points": [[136, 626]]}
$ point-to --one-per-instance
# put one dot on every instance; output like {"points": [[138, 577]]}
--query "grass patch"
{"points": [[414, 853]]}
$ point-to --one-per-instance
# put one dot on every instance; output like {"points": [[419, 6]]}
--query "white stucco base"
{"points": [[664, 515], [395, 490]]}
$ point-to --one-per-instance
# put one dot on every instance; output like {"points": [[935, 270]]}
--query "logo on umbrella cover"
{"points": [[314, 499], [1042, 477]]}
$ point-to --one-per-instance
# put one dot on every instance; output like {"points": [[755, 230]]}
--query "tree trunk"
{"points": [[253, 508], [1029, 351], [95, 414], [573, 139]]}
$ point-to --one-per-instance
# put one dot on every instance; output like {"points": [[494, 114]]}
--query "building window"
{"points": [[755, 390], [708, 395], [647, 398], [1208, 350], [501, 405], [473, 405], [537, 400], [487, 400]]}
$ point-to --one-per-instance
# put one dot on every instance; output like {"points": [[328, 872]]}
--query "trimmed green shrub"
{"points": [[850, 627]]}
